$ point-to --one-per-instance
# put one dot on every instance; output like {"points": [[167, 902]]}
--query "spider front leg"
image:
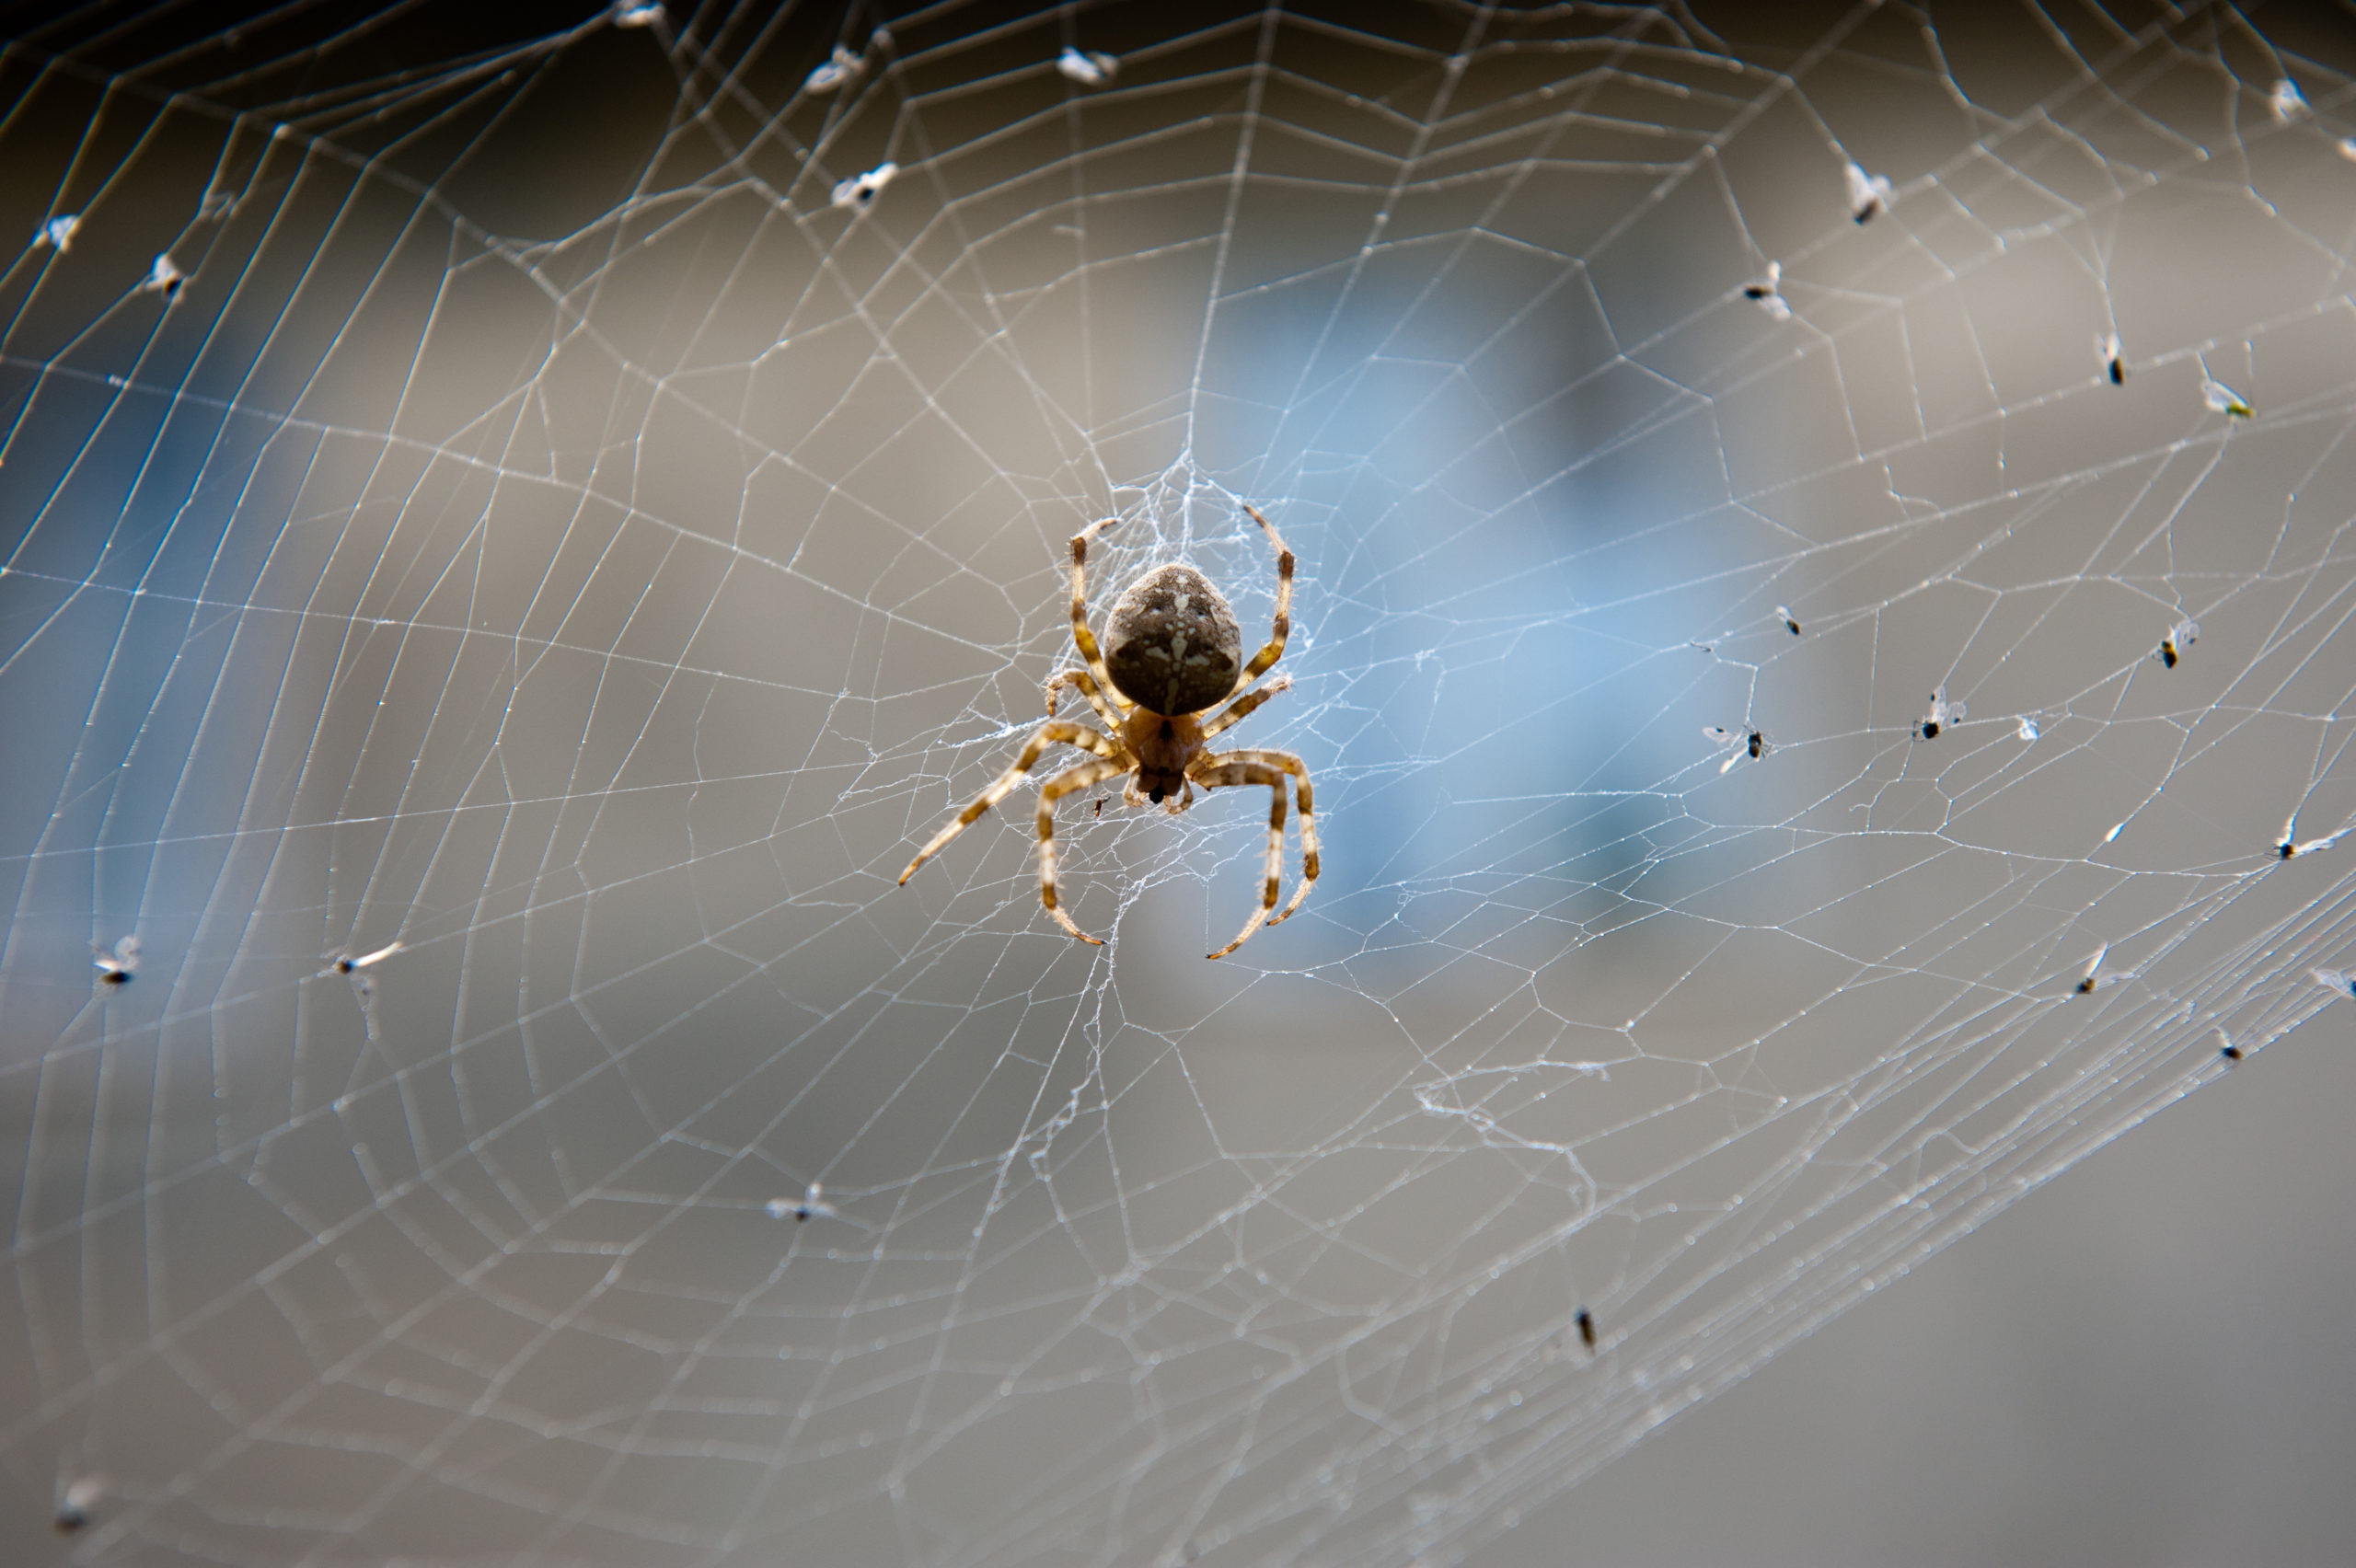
{"points": [[1054, 790], [1227, 772], [1284, 762], [1274, 650], [1042, 738], [1082, 638], [1098, 699]]}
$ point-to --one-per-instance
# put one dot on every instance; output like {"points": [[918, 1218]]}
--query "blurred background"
{"points": [[519, 522]]}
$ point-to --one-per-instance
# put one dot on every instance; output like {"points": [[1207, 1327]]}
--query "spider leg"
{"points": [[1054, 790], [1098, 698], [1244, 705], [1283, 762], [1265, 659], [1082, 638], [1046, 734], [1227, 772]]}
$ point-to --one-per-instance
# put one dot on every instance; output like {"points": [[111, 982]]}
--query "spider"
{"points": [[1171, 652]]}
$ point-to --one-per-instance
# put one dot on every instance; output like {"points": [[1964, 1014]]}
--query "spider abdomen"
{"points": [[1171, 644]]}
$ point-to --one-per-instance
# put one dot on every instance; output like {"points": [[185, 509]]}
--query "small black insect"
{"points": [[116, 966], [2109, 354], [1789, 624], [1587, 1328], [813, 1205], [74, 1508]]}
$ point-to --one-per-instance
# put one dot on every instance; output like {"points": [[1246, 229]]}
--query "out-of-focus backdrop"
{"points": [[1821, 638]]}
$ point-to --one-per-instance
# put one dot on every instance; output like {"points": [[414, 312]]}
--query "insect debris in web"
{"points": [[2108, 355], [118, 964], [1868, 193], [1940, 717], [810, 1205], [1738, 742], [1088, 67], [841, 69]]}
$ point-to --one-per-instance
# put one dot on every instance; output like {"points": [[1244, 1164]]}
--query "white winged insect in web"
{"points": [[2222, 398], [164, 278], [860, 190], [1767, 291], [76, 1499], [118, 964], [2288, 845], [2177, 642], [841, 69], [2092, 979], [1090, 69], [363, 984], [1869, 194], [1738, 743], [1939, 717], [2111, 357], [810, 1205]]}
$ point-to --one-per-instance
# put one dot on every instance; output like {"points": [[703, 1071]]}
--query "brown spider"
{"points": [[1171, 648]]}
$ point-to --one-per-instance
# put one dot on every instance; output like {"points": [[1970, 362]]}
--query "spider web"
{"points": [[596, 500]]}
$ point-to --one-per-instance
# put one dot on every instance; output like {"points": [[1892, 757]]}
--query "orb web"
{"points": [[1821, 636]]}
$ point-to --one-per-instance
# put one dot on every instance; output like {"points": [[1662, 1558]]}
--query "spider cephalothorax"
{"points": [[1171, 651]]}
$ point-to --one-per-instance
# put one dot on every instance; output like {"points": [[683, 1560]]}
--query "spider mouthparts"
{"points": [[1157, 792]]}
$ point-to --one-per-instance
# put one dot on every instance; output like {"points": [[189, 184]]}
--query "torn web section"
{"points": [[648, 576]]}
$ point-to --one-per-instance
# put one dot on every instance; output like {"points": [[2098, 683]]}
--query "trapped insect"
{"points": [[1171, 650], [1785, 617], [58, 232], [2091, 979], [1587, 1328], [117, 966], [1090, 69], [164, 278], [1868, 193], [2177, 642], [2225, 1046], [2223, 399], [2285, 102], [1941, 715], [1737, 742], [842, 67], [1768, 293], [73, 1505], [859, 191], [810, 1205], [2109, 354]]}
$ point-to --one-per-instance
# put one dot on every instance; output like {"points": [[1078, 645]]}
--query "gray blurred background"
{"points": [[552, 543]]}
